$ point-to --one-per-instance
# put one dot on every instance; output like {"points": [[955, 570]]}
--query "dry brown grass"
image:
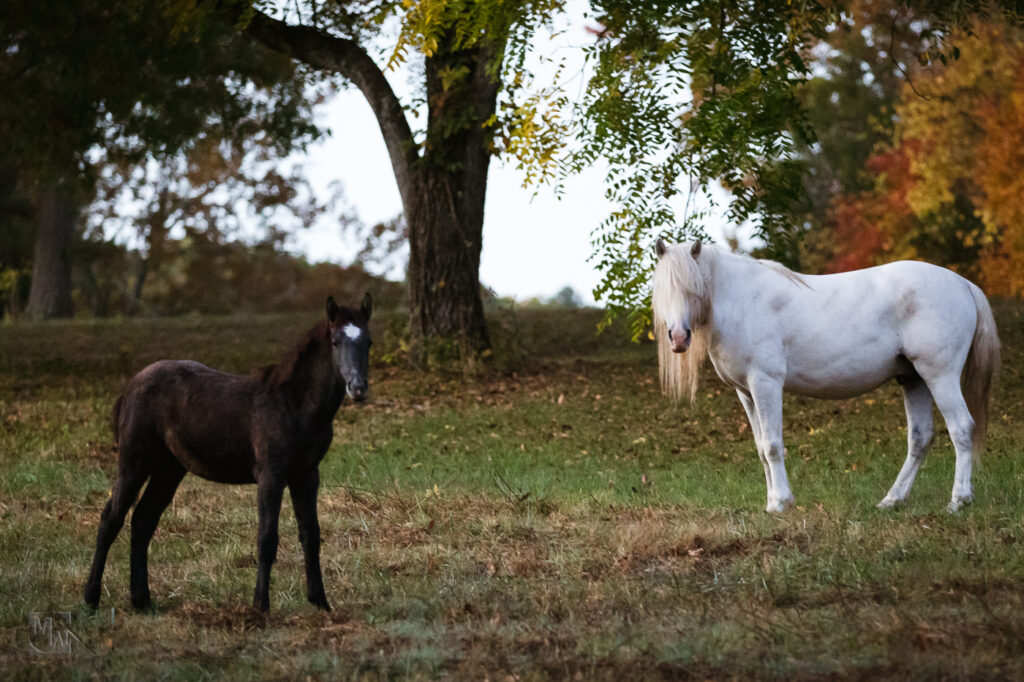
{"points": [[560, 522]]}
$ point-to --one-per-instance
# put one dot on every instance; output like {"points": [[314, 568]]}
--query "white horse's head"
{"points": [[681, 298], [681, 295]]}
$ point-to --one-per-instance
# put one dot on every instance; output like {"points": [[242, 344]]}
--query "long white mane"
{"points": [[680, 278], [794, 277]]}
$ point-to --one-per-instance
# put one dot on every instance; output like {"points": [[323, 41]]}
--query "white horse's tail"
{"points": [[981, 368]]}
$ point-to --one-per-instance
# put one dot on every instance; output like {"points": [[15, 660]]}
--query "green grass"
{"points": [[558, 519]]}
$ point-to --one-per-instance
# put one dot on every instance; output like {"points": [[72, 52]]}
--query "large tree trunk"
{"points": [[50, 292], [445, 231], [445, 208], [443, 185]]}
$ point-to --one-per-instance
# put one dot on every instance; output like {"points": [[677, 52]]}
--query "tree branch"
{"points": [[347, 58], [896, 63]]}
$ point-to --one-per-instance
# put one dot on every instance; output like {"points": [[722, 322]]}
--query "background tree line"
{"points": [[923, 164], [845, 134]]}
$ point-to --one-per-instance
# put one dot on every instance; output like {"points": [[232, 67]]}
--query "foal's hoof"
{"points": [[890, 503], [320, 602], [143, 605]]}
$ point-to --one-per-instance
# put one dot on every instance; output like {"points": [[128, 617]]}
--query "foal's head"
{"points": [[350, 341]]}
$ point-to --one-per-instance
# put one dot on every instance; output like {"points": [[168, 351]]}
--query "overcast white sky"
{"points": [[532, 245]]}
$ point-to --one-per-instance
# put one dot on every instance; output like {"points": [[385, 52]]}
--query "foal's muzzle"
{"points": [[680, 342], [357, 390]]}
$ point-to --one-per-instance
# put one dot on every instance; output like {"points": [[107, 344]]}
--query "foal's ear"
{"points": [[366, 307], [659, 248], [332, 309], [695, 249]]}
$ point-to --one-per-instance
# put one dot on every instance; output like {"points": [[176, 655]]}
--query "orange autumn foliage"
{"points": [[999, 173], [867, 225], [950, 187]]}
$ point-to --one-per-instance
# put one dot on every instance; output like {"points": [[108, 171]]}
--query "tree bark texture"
{"points": [[446, 214], [442, 185], [444, 262], [50, 293]]}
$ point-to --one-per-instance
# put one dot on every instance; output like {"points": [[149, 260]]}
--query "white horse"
{"points": [[769, 330]]}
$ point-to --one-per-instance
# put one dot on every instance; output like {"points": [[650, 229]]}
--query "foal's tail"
{"points": [[115, 418], [982, 366]]}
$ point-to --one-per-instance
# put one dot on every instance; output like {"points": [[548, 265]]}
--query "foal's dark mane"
{"points": [[272, 376]]}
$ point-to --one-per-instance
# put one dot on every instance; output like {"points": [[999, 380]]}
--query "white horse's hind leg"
{"points": [[755, 428], [767, 395], [960, 424], [920, 432]]}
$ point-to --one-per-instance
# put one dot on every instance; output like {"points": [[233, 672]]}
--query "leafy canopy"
{"points": [[684, 97], [948, 183]]}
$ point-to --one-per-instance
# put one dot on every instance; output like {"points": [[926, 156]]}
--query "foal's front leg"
{"points": [[767, 396], [270, 489], [303, 490]]}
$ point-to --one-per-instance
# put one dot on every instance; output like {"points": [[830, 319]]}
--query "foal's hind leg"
{"points": [[920, 431], [130, 478], [162, 485], [270, 490], [755, 428]]}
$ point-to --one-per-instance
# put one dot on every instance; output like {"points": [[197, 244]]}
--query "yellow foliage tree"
{"points": [[1000, 175], [962, 130]]}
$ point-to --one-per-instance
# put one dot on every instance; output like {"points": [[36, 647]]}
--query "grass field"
{"points": [[556, 519]]}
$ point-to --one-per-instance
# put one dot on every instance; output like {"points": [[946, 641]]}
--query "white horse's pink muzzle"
{"points": [[680, 340]]}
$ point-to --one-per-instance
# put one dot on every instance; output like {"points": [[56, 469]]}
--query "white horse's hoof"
{"points": [[890, 503], [779, 506], [958, 503]]}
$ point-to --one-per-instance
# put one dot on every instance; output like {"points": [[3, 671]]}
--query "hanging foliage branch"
{"points": [[685, 96]]}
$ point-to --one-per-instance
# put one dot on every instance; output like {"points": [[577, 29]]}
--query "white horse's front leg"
{"points": [[755, 428], [767, 396]]}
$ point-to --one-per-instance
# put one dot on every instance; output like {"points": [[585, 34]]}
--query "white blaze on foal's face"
{"points": [[350, 340], [351, 356], [351, 331]]}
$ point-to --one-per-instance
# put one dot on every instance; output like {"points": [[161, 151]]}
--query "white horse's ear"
{"points": [[695, 249], [659, 248]]}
